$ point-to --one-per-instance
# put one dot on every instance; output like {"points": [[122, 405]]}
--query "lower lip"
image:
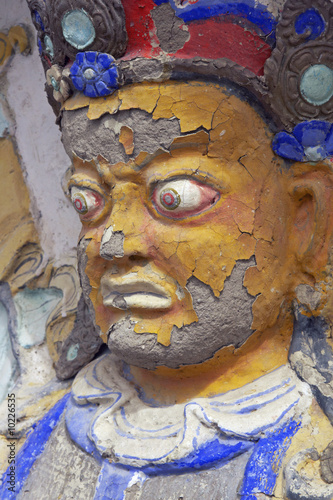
{"points": [[137, 300]]}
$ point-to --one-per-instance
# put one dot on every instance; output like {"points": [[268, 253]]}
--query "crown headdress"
{"points": [[285, 59]]}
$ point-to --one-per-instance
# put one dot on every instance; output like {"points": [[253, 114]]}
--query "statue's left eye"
{"points": [[87, 203], [181, 198]]}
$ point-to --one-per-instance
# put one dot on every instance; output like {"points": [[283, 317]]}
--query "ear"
{"points": [[312, 199]]}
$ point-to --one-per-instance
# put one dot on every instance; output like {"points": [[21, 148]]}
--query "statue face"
{"points": [[183, 249]]}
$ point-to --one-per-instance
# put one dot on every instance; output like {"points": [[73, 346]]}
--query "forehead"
{"points": [[148, 118]]}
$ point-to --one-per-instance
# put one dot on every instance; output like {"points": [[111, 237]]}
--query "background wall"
{"points": [[43, 158], [39, 286]]}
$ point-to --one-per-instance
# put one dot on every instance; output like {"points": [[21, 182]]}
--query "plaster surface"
{"points": [[43, 159], [90, 138]]}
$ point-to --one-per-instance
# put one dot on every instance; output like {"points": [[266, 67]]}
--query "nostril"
{"points": [[138, 259]]}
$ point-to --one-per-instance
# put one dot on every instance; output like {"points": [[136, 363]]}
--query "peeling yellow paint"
{"points": [[78, 100], [145, 93], [190, 121], [126, 139], [102, 105], [163, 107]]}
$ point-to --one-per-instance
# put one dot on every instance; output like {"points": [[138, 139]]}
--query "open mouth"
{"points": [[130, 292]]}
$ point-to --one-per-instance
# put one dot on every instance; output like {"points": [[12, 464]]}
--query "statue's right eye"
{"points": [[87, 203]]}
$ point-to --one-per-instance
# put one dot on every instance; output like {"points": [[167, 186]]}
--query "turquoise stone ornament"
{"points": [[55, 84], [48, 46], [78, 29], [72, 352], [317, 84]]}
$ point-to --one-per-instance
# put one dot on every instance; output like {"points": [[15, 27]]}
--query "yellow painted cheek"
{"points": [[209, 252], [271, 279], [95, 269], [96, 266], [213, 268], [211, 263]]}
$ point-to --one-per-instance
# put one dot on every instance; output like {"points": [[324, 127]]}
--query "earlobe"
{"points": [[312, 200]]}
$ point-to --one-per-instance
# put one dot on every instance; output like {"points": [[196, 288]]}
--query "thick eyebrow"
{"points": [[147, 158], [85, 181]]}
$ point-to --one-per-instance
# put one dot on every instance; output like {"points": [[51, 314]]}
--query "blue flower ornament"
{"points": [[95, 74], [309, 141]]}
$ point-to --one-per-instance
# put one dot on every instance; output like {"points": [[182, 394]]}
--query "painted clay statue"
{"points": [[201, 138]]}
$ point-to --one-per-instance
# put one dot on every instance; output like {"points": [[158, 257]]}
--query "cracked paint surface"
{"points": [[222, 145], [205, 262]]}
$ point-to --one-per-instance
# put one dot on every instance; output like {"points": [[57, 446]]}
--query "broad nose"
{"points": [[125, 230]]}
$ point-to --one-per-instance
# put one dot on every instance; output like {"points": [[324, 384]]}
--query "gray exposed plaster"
{"points": [[170, 29], [84, 341], [80, 346], [112, 244], [49, 479], [212, 484], [222, 321], [308, 296], [90, 138]]}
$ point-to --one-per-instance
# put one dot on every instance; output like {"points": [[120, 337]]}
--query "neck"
{"points": [[229, 369]]}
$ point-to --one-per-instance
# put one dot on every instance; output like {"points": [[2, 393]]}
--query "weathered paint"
{"points": [[16, 35], [34, 307], [243, 231], [162, 255]]}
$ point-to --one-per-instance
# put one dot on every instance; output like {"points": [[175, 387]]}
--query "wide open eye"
{"points": [[182, 198], [87, 203]]}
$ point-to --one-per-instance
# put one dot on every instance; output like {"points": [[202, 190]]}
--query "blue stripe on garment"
{"points": [[264, 464]]}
